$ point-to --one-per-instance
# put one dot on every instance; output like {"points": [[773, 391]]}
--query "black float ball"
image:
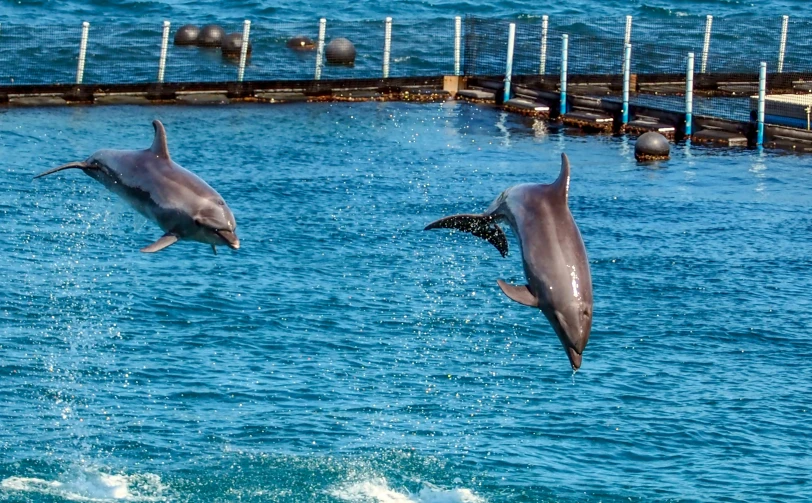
{"points": [[232, 45], [340, 52], [651, 146], [187, 35], [211, 35], [301, 43]]}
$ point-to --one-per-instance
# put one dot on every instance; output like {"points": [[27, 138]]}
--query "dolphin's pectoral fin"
{"points": [[165, 240], [78, 165], [214, 249], [482, 226], [520, 294]]}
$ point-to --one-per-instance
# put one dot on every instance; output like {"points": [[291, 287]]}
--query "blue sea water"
{"points": [[345, 355]]}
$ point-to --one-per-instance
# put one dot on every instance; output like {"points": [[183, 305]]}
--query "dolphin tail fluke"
{"points": [[519, 293], [483, 226], [163, 242], [70, 165]]}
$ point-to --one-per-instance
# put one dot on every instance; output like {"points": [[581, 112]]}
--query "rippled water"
{"points": [[343, 354], [46, 11]]}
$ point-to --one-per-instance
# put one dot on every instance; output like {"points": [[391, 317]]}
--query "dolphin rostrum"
{"points": [[553, 255], [183, 205]]}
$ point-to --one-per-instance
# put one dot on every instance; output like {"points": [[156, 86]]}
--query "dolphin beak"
{"points": [[575, 358], [230, 238]]}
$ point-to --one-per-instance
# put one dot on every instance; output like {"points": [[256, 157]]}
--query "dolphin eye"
{"points": [[221, 202]]}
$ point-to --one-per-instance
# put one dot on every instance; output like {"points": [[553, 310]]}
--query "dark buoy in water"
{"points": [[232, 45], [187, 35], [340, 52], [211, 35], [301, 43], [651, 146]]}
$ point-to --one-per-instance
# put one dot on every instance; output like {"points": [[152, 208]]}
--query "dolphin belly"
{"points": [[139, 199]]}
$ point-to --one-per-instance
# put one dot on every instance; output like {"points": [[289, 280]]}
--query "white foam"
{"points": [[377, 490], [92, 485]]}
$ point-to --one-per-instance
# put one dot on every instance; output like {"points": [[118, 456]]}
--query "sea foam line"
{"points": [[91, 485], [377, 490]]}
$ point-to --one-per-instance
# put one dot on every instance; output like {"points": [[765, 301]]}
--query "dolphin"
{"points": [[553, 254], [183, 205]]}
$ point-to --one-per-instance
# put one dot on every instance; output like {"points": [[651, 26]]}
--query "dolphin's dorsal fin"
{"points": [[159, 146], [562, 183]]}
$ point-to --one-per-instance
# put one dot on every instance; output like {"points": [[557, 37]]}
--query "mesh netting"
{"points": [[729, 49], [124, 54]]}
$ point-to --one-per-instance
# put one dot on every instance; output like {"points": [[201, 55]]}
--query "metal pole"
{"points": [[564, 43], [164, 45], [544, 25], [627, 38], [706, 45], [320, 49], [689, 94], [509, 65], [246, 33], [80, 69], [762, 91], [457, 43], [387, 46], [783, 47], [627, 63]]}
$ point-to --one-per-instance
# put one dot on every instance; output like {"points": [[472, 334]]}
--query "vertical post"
{"points": [[564, 43], [627, 38], [543, 63], [164, 45], [509, 64], [627, 63], [706, 45], [246, 33], [80, 69], [762, 91], [387, 46], [689, 95], [457, 43], [320, 49], [783, 46]]}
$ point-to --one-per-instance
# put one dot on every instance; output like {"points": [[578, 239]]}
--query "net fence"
{"points": [[729, 48], [126, 54]]}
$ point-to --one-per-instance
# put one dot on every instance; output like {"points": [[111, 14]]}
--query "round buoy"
{"points": [[340, 52], [651, 146], [232, 45], [187, 35], [211, 35], [301, 43]]}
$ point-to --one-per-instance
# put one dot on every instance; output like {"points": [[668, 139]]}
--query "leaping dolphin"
{"points": [[183, 205], [553, 255]]}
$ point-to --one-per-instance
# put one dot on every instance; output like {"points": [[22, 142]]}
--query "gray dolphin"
{"points": [[553, 254], [183, 205]]}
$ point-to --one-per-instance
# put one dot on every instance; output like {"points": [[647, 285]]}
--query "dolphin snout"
{"points": [[575, 358], [230, 238]]}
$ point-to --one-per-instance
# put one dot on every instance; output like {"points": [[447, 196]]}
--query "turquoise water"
{"points": [[45, 11], [343, 354]]}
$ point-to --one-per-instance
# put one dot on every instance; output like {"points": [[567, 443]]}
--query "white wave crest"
{"points": [[91, 485], [377, 490]]}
